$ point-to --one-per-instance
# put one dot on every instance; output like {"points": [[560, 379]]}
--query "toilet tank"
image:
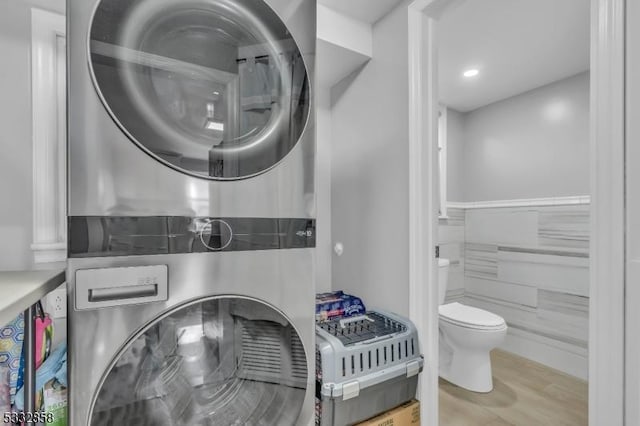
{"points": [[443, 277]]}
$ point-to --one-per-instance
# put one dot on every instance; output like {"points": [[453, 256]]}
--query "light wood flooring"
{"points": [[525, 393]]}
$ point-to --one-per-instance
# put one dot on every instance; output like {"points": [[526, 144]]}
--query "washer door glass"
{"points": [[213, 88], [221, 361]]}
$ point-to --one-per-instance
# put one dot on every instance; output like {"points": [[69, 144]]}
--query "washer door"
{"points": [[212, 88], [219, 361]]}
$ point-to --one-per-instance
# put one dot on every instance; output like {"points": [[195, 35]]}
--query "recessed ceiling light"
{"points": [[470, 73]]}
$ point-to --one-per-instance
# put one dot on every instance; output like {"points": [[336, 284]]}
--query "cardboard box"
{"points": [[407, 414]]}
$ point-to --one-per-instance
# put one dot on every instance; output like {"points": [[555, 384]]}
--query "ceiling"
{"points": [[369, 11], [517, 45]]}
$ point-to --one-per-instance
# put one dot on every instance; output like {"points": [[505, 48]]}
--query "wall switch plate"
{"points": [[57, 302]]}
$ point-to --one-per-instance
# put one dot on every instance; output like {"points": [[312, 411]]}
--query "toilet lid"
{"points": [[468, 316]]}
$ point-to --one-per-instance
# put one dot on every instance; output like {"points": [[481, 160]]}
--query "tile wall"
{"points": [[451, 241], [530, 266]]}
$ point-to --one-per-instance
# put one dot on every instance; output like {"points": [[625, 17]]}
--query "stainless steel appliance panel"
{"points": [[281, 278], [109, 175]]}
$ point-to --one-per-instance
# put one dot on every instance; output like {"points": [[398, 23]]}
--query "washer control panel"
{"points": [[135, 236], [216, 234]]}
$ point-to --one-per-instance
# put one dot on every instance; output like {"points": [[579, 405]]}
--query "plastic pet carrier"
{"points": [[365, 365]]}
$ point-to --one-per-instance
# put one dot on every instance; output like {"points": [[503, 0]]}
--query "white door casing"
{"points": [[607, 278], [632, 290], [607, 264], [423, 204]]}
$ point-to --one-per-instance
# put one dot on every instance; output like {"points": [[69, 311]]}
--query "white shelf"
{"points": [[21, 289]]}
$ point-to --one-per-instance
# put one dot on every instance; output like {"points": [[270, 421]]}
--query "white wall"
{"points": [[528, 264], [529, 146], [15, 137], [344, 44], [323, 189], [344, 31], [370, 180], [455, 155], [16, 205]]}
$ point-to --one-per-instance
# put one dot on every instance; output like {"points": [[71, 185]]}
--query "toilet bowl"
{"points": [[467, 336]]}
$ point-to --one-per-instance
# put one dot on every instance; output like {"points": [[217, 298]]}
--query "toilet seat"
{"points": [[470, 317]]}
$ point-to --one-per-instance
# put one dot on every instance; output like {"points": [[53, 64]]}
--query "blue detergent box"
{"points": [[338, 304]]}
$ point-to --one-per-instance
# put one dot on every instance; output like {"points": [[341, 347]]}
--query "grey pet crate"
{"points": [[365, 365]]}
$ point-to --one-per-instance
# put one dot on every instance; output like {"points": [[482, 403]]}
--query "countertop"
{"points": [[21, 289]]}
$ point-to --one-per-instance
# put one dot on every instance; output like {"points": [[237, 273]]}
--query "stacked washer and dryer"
{"points": [[191, 212]]}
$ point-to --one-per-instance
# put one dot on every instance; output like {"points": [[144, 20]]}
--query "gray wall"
{"points": [[529, 146], [455, 155], [530, 265], [451, 242], [323, 189], [15, 137], [370, 178]]}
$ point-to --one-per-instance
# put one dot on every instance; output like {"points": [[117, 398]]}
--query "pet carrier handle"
{"points": [[346, 321]]}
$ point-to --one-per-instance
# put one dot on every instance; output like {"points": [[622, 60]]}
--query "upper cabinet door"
{"points": [[212, 88]]}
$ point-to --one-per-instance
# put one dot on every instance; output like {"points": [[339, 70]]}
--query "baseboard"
{"points": [[562, 356]]}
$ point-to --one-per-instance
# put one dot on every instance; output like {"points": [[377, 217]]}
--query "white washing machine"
{"points": [[191, 212]]}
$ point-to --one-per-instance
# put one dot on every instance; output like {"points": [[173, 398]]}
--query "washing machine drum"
{"points": [[221, 361], [212, 88]]}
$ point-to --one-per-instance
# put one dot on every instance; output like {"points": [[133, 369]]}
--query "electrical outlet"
{"points": [[57, 301]]}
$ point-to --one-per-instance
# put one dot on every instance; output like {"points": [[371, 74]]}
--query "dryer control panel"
{"points": [[94, 236], [216, 234]]}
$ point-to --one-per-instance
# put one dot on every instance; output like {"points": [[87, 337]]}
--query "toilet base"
{"points": [[464, 351], [471, 371]]}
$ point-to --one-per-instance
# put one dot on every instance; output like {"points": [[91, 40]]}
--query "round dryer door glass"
{"points": [[222, 361], [213, 88]]}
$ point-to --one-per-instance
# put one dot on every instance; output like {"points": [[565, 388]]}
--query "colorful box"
{"points": [[338, 304], [407, 414]]}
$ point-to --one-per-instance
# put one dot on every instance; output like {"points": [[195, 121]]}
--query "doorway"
{"points": [[606, 309]]}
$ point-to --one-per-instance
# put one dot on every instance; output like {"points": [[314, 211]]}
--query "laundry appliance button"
{"points": [[216, 234]]}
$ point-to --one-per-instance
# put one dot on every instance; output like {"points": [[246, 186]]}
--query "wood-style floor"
{"points": [[525, 393]]}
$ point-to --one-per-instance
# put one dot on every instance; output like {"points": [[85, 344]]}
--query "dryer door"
{"points": [[219, 361], [212, 88]]}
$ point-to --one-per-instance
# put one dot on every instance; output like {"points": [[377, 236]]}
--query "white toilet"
{"points": [[467, 335]]}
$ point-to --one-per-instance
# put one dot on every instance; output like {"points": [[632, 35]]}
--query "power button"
{"points": [[216, 234]]}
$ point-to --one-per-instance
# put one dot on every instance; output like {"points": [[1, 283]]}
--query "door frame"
{"points": [[607, 250], [632, 292]]}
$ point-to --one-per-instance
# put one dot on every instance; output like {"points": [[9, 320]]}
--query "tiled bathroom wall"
{"points": [[518, 226], [451, 241], [529, 265]]}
